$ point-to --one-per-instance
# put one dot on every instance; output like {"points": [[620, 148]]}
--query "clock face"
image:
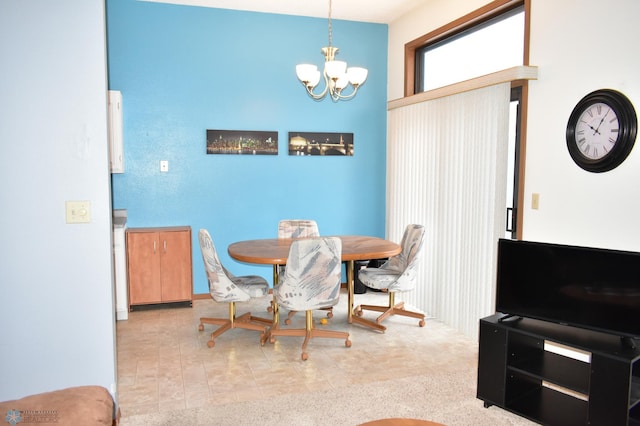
{"points": [[597, 131], [601, 130]]}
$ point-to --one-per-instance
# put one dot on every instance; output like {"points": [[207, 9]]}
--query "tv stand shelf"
{"points": [[517, 373], [556, 369]]}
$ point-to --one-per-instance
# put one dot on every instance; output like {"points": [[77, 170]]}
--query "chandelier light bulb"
{"points": [[335, 69], [315, 78], [306, 73], [357, 75]]}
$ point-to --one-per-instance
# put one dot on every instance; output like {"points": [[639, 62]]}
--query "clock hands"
{"points": [[592, 128], [596, 130]]}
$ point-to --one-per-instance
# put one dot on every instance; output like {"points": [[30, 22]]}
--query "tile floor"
{"points": [[164, 362]]}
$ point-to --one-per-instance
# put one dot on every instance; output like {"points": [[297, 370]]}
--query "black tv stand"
{"points": [[518, 372], [628, 342]]}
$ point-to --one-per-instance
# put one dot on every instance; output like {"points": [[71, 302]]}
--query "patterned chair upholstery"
{"points": [[225, 287], [311, 281], [398, 274], [298, 228]]}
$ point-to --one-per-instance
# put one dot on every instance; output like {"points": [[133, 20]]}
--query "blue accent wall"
{"points": [[185, 69]]}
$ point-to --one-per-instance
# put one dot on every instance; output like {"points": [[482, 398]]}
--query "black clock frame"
{"points": [[628, 130]]}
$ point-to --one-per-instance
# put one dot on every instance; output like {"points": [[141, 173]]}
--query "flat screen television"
{"points": [[592, 288]]}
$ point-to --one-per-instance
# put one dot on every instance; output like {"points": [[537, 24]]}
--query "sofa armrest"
{"points": [[82, 406]]}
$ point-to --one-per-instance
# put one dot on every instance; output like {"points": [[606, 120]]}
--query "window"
{"points": [[491, 46], [438, 53]]}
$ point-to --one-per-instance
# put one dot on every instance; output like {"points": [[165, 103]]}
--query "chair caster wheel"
{"points": [[287, 321], [330, 315], [200, 327], [211, 343], [421, 323], [347, 343], [305, 356]]}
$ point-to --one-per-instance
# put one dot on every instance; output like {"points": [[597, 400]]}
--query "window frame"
{"points": [[460, 25]]}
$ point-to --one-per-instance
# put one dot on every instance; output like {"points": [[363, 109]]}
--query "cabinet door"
{"points": [[492, 364], [143, 251], [175, 266]]}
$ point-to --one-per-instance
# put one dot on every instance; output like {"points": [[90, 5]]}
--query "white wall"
{"points": [[57, 317], [431, 16], [579, 46]]}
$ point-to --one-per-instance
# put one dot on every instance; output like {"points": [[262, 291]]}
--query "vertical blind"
{"points": [[446, 169]]}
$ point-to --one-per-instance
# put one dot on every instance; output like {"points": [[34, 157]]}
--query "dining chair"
{"points": [[298, 228], [311, 281], [397, 274], [225, 287]]}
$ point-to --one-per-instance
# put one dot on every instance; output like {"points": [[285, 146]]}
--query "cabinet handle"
{"points": [[165, 246], [154, 247]]}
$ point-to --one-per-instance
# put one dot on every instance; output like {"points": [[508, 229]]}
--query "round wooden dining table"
{"points": [[274, 251]]}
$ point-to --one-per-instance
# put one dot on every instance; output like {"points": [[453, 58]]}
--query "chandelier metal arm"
{"points": [[338, 94], [329, 87], [318, 96]]}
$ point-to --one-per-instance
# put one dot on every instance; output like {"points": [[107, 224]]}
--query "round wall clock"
{"points": [[601, 130]]}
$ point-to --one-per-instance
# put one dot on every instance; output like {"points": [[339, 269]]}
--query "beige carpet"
{"points": [[446, 397], [409, 371]]}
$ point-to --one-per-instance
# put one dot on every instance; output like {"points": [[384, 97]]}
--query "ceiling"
{"points": [[378, 11]]}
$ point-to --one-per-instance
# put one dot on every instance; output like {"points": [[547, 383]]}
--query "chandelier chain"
{"points": [[330, 26]]}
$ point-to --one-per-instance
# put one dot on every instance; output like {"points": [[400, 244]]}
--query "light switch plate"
{"points": [[535, 201], [78, 211], [164, 166]]}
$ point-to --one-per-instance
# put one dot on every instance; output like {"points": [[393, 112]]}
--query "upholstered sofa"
{"points": [[82, 406]]}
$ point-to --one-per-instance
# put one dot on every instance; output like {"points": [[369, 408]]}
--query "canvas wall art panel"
{"points": [[319, 143], [242, 142]]}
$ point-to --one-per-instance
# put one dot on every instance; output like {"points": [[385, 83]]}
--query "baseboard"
{"points": [[122, 314], [201, 296]]}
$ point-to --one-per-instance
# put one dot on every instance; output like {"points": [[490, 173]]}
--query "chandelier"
{"points": [[336, 74]]}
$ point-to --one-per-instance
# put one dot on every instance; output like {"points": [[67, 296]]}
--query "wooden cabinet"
{"points": [[516, 371], [159, 265]]}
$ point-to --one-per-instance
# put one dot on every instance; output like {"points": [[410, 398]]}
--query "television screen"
{"points": [[585, 287]]}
